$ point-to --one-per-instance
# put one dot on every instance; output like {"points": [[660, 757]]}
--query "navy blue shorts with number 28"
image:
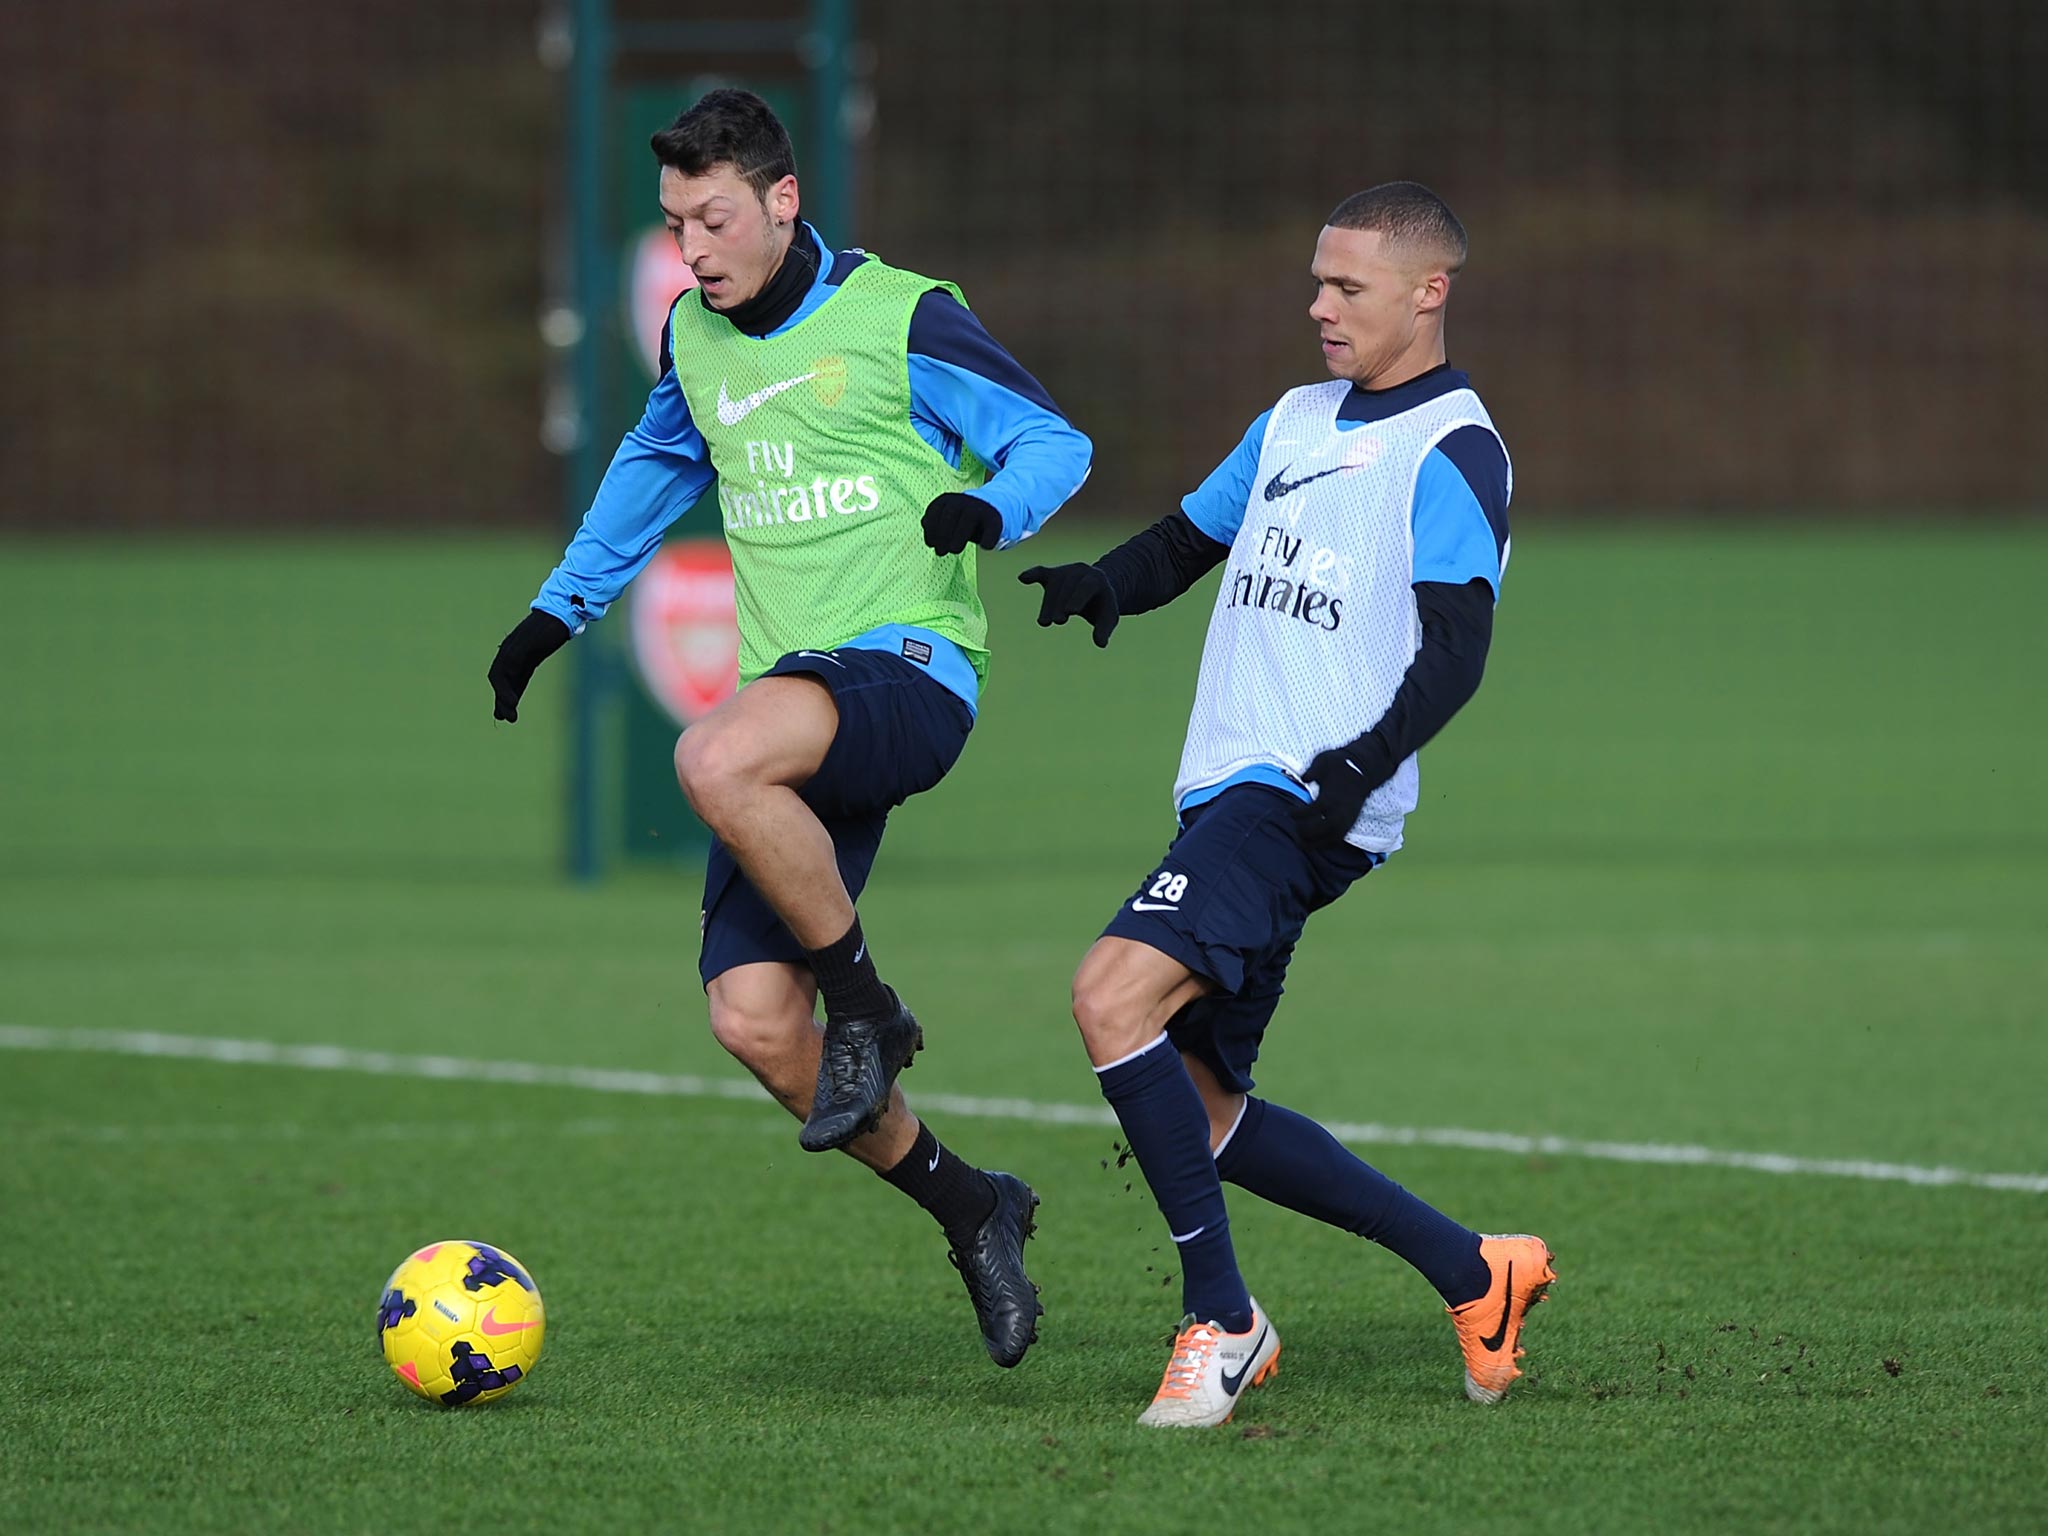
{"points": [[1229, 901]]}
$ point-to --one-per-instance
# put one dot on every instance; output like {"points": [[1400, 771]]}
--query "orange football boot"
{"points": [[1490, 1328]]}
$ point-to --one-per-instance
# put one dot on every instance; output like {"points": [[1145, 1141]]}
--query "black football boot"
{"points": [[858, 1067], [992, 1264]]}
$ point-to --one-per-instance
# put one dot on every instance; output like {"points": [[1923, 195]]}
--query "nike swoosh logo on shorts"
{"points": [[1232, 1383], [732, 412], [1507, 1310], [1155, 906], [489, 1323]]}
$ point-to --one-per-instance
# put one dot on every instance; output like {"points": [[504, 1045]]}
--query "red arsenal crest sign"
{"points": [[686, 638]]}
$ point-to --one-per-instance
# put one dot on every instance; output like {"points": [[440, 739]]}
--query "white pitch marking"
{"points": [[337, 1058], [15, 1132]]}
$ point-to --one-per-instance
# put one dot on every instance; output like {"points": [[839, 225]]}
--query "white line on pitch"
{"points": [[15, 1132], [337, 1058]]}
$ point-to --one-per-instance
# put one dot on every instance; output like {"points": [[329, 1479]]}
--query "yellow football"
{"points": [[461, 1322]]}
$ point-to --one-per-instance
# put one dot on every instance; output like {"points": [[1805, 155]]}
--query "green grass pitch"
{"points": [[1743, 844]]}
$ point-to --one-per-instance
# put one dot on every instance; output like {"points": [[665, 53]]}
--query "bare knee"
{"points": [[1112, 1008], [772, 733], [710, 766]]}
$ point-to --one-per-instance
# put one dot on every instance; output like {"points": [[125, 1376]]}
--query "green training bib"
{"points": [[822, 480]]}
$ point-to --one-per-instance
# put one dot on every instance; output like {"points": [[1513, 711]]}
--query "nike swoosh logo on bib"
{"points": [[1276, 487], [732, 412]]}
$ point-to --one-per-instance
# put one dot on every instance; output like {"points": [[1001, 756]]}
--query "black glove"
{"points": [[532, 641], [955, 520], [1072, 589], [1341, 789]]}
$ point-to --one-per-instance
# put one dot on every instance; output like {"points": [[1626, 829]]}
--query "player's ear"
{"points": [[782, 201], [1433, 292]]}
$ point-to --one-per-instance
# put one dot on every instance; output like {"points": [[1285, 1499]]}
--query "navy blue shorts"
{"points": [[899, 734], [1228, 902]]}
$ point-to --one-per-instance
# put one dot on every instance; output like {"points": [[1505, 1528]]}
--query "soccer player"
{"points": [[1362, 525], [866, 434]]}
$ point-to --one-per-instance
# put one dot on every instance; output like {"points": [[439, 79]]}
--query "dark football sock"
{"points": [[1290, 1160], [959, 1195], [847, 979], [1168, 1131]]}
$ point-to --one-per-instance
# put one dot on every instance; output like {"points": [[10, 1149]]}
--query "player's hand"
{"points": [[955, 520], [533, 640], [1341, 788], [1075, 589]]}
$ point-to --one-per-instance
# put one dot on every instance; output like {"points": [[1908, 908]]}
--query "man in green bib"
{"points": [[866, 436]]}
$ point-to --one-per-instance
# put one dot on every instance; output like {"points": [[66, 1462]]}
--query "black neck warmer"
{"points": [[782, 293]]}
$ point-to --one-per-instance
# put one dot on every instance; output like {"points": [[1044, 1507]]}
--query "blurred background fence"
{"points": [[268, 264]]}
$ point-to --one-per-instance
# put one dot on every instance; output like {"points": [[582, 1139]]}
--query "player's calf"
{"points": [[761, 1015]]}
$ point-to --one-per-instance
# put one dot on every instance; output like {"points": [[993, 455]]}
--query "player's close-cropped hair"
{"points": [[728, 127], [1406, 213]]}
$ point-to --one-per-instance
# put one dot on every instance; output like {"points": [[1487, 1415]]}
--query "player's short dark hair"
{"points": [[728, 127], [1407, 213]]}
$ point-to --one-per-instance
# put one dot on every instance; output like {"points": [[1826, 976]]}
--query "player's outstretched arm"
{"points": [[1144, 572], [1074, 591], [1457, 631], [662, 466]]}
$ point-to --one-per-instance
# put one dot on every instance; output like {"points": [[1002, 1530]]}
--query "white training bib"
{"points": [[1315, 624]]}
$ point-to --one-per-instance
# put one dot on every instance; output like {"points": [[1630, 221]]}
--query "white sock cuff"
{"points": [[1150, 1045]]}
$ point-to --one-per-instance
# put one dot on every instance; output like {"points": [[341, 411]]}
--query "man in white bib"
{"points": [[1362, 527]]}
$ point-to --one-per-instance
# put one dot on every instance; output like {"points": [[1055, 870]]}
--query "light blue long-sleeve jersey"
{"points": [[964, 389]]}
